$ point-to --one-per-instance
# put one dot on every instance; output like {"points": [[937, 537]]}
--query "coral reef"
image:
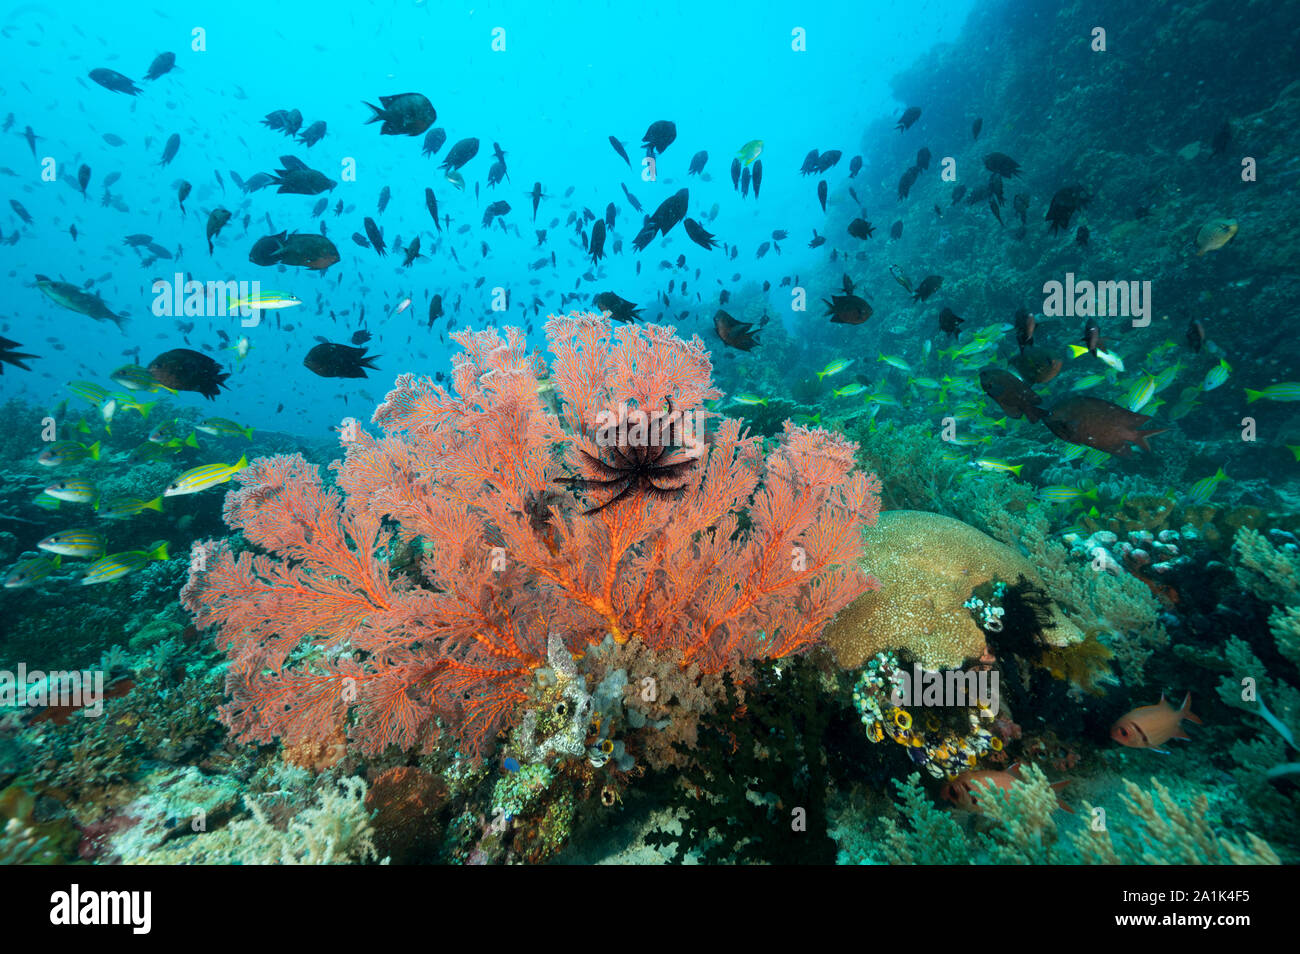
{"points": [[756, 786], [928, 566], [1021, 828], [336, 829], [322, 634]]}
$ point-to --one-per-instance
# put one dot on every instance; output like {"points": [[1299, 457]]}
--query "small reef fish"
{"points": [[964, 790], [223, 427], [201, 478], [266, 301], [991, 463], [30, 572], [1149, 727], [1203, 489], [73, 491], [1215, 234], [1063, 493], [118, 565], [84, 544], [1286, 391], [1216, 375], [835, 367], [122, 507], [1107, 357], [750, 151]]}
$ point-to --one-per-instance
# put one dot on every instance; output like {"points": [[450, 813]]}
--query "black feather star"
{"points": [[9, 356], [652, 470]]}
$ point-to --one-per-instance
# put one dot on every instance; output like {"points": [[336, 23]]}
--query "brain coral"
{"points": [[927, 565]]}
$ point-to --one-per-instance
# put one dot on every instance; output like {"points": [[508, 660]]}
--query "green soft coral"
{"points": [[1021, 827]]}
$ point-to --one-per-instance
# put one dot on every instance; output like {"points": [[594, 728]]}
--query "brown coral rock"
{"points": [[406, 802], [927, 565]]}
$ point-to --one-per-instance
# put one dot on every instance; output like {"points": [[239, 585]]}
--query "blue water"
{"points": [[569, 77]]}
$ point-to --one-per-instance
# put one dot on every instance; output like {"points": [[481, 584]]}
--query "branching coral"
{"points": [[1163, 832], [747, 559], [335, 830], [1270, 573], [1022, 829]]}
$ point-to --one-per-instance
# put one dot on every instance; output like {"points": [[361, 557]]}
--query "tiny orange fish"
{"points": [[963, 791], [1149, 727]]}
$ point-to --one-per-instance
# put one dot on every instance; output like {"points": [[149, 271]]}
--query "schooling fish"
{"points": [[162, 63], [30, 572], [80, 543], [183, 369], [118, 565], [217, 220], [171, 148], [201, 478], [433, 140], [404, 114], [115, 81], [338, 361], [618, 148]]}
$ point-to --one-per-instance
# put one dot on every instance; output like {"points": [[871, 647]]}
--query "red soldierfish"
{"points": [[964, 790], [1149, 727]]}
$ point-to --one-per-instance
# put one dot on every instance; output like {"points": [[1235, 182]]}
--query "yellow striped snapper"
{"points": [[883, 398], [1186, 401], [895, 362], [1064, 493], [1203, 489], [108, 410], [993, 463], [1141, 392], [73, 491], [118, 565], [30, 572], [67, 452], [120, 508], [1283, 391], [88, 391], [750, 151], [1109, 358], [134, 378], [81, 543], [835, 367], [140, 407], [223, 427], [201, 478], [241, 348], [264, 301], [1087, 381], [1166, 377], [1217, 375]]}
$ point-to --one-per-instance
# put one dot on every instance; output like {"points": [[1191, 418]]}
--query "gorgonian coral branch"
{"points": [[422, 590]]}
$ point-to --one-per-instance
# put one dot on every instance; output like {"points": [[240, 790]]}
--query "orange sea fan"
{"points": [[325, 631]]}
